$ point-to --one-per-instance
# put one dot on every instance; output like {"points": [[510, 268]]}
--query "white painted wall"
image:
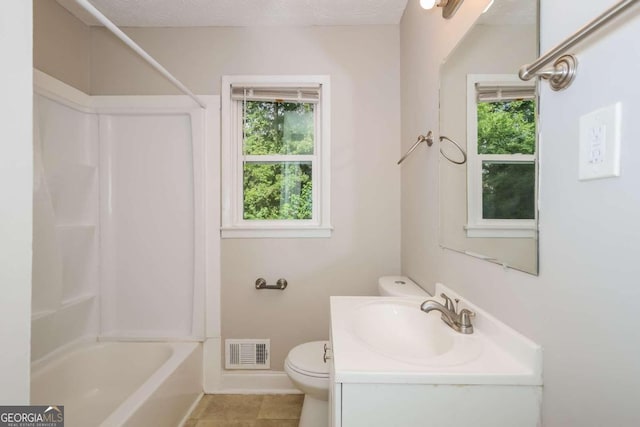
{"points": [[16, 184], [589, 265], [583, 307]]}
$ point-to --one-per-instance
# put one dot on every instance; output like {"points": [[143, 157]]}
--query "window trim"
{"points": [[477, 226], [233, 225]]}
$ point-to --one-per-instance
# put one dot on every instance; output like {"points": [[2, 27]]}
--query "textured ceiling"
{"points": [[201, 13], [511, 12]]}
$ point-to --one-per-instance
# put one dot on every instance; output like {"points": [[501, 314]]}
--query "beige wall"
{"points": [[486, 49], [583, 306], [61, 44], [363, 63]]}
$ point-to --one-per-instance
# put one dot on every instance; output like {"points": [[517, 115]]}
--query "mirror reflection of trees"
{"points": [[507, 127]]}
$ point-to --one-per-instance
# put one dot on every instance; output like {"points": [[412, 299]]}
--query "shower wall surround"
{"points": [[150, 208], [65, 222], [119, 210]]}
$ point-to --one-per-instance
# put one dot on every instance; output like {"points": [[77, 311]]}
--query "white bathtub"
{"points": [[121, 383]]}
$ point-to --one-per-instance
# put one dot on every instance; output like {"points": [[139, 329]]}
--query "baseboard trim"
{"points": [[251, 382]]}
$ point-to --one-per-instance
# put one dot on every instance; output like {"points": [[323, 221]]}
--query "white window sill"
{"points": [[276, 233], [501, 231]]}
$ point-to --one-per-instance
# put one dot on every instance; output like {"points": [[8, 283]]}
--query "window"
{"points": [[275, 148], [502, 157]]}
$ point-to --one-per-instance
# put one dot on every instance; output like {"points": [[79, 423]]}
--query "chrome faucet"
{"points": [[459, 322]]}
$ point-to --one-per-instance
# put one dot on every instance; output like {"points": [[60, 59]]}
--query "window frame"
{"points": [[233, 223], [477, 226]]}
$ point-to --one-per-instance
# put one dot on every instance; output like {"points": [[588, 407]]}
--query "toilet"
{"points": [[400, 286], [308, 371]]}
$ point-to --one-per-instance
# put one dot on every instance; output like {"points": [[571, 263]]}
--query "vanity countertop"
{"points": [[374, 341]]}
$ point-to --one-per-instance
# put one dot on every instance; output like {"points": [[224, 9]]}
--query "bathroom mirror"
{"points": [[488, 205]]}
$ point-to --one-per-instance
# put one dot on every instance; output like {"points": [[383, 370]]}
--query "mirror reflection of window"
{"points": [[507, 127], [502, 148], [488, 206]]}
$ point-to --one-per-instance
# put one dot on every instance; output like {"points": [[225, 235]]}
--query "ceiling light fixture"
{"points": [[449, 7]]}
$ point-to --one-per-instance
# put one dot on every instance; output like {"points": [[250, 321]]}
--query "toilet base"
{"points": [[315, 412]]}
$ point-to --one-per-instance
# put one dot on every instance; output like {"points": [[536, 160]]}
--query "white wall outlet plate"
{"points": [[600, 143]]}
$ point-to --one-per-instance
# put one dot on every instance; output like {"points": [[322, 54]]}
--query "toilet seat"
{"points": [[307, 359]]}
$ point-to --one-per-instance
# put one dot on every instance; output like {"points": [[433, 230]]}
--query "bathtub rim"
{"points": [[181, 351], [38, 364]]}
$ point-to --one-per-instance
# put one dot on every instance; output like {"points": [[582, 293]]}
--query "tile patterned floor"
{"points": [[242, 410]]}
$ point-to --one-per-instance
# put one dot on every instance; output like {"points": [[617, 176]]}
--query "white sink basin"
{"points": [[400, 330], [389, 340]]}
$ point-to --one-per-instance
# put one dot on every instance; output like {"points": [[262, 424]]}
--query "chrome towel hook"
{"points": [[421, 138]]}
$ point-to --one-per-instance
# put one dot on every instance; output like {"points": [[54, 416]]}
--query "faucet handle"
{"points": [[448, 303], [465, 317]]}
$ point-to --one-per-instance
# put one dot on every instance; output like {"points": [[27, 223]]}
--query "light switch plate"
{"points": [[600, 143]]}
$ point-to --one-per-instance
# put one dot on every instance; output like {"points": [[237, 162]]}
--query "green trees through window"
{"points": [[278, 186]]}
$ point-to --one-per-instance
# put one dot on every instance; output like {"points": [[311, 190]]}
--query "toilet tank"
{"points": [[400, 286]]}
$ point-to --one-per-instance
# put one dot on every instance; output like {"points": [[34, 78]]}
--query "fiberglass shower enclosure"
{"points": [[120, 201]]}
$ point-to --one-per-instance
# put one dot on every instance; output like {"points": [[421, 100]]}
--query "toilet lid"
{"points": [[307, 358]]}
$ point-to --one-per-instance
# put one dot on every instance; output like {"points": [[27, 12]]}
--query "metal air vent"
{"points": [[247, 354]]}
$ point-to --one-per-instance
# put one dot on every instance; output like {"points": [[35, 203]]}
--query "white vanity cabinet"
{"points": [[423, 405], [378, 378], [335, 395]]}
